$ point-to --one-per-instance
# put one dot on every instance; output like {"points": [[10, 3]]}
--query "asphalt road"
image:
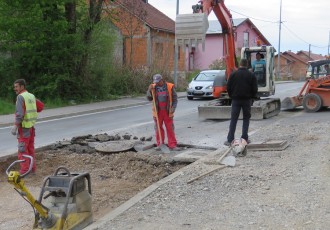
{"points": [[136, 120]]}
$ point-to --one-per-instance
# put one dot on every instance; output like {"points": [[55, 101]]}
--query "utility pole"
{"points": [[279, 45], [329, 45], [176, 52]]}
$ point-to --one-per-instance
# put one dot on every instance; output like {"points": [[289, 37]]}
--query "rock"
{"points": [[102, 137], [127, 137]]}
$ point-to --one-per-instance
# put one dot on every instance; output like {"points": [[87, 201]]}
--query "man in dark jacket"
{"points": [[242, 88]]}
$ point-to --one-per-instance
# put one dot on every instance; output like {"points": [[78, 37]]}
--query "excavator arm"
{"points": [[187, 29], [225, 18]]}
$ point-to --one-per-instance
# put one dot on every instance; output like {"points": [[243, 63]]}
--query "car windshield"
{"points": [[206, 77]]}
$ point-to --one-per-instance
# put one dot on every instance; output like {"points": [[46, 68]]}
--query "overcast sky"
{"points": [[304, 22]]}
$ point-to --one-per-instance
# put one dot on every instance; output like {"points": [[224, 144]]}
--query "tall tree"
{"points": [[48, 44]]}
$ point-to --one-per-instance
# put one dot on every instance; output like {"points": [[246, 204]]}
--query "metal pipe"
{"points": [[176, 52]]}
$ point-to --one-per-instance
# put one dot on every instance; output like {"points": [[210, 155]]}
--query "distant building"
{"points": [[145, 36], [293, 66], [246, 34], [309, 56]]}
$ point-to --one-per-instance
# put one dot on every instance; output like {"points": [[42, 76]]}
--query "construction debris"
{"points": [[270, 145]]}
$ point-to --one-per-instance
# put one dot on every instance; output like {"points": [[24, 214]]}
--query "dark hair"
{"points": [[20, 82], [243, 62]]}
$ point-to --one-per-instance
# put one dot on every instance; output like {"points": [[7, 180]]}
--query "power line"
{"points": [[258, 19], [263, 20], [308, 43]]}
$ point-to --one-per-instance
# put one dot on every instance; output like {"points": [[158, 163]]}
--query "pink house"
{"points": [[246, 34]]}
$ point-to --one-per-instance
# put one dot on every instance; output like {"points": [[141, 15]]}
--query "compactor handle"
{"points": [[19, 161], [64, 169]]}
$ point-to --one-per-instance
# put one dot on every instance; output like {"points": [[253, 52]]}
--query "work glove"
{"points": [[14, 130]]}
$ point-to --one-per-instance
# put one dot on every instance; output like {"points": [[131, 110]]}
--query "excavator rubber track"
{"points": [[261, 109]]}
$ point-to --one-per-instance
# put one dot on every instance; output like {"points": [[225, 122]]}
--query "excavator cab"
{"points": [[262, 68]]}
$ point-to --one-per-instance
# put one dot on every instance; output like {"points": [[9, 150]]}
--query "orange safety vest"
{"points": [[169, 101]]}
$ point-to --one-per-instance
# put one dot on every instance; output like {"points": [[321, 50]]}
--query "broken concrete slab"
{"points": [[141, 146], [115, 146], [190, 155], [271, 145]]}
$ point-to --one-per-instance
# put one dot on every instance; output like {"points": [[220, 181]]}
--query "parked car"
{"points": [[201, 85]]}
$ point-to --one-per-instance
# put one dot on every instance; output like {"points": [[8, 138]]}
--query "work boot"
{"points": [[226, 143]]}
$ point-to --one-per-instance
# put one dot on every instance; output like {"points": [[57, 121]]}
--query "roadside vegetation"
{"points": [[6, 107], [64, 49]]}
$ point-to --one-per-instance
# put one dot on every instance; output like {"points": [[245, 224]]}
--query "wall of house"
{"points": [[290, 69], [145, 47], [299, 71], [214, 46], [253, 36], [213, 51]]}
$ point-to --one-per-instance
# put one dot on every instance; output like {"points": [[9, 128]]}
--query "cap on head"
{"points": [[157, 78]]}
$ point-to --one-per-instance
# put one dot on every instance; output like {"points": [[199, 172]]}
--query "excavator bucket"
{"points": [[291, 102], [190, 30]]}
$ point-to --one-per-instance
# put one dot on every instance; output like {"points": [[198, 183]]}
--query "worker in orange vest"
{"points": [[166, 100], [27, 108]]}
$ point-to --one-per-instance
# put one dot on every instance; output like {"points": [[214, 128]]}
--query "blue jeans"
{"points": [[236, 106]]}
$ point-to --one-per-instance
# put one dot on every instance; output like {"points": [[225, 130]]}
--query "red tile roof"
{"points": [[311, 55], [154, 18], [294, 56]]}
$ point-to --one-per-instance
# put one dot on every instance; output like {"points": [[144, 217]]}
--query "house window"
{"points": [[159, 48], [246, 39], [178, 52]]}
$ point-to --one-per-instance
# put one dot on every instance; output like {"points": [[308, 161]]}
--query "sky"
{"points": [[305, 24]]}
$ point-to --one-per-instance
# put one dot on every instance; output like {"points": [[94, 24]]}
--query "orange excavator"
{"points": [[190, 30]]}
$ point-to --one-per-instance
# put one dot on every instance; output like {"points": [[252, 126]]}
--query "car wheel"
{"points": [[190, 98], [312, 102]]}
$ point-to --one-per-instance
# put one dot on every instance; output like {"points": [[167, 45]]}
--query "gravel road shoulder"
{"points": [[286, 189]]}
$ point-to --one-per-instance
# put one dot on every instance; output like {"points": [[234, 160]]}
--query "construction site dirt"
{"points": [[115, 178], [275, 189]]}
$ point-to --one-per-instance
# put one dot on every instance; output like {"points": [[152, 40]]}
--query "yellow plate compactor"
{"points": [[65, 200]]}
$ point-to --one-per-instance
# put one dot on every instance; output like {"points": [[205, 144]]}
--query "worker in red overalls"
{"points": [[27, 108], [166, 100]]}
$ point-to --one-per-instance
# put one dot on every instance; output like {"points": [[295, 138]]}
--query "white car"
{"points": [[201, 86]]}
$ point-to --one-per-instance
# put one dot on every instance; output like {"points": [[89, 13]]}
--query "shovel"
{"points": [[227, 160], [162, 146]]}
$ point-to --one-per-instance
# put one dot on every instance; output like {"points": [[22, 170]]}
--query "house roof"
{"points": [[311, 56], [215, 27], [154, 18], [293, 57]]}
